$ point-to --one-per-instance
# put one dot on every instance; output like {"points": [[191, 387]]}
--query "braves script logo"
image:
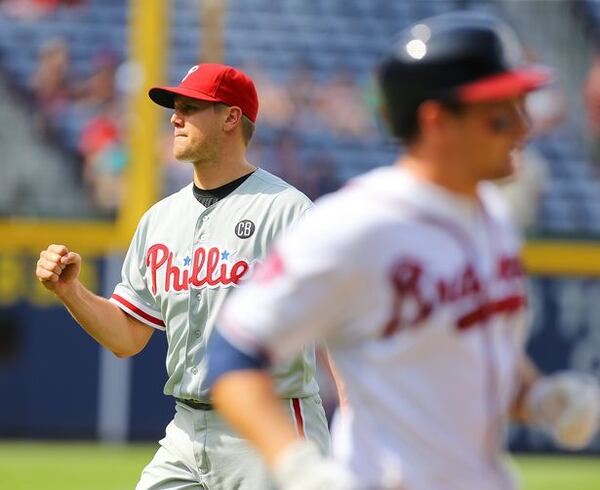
{"points": [[413, 305], [209, 267]]}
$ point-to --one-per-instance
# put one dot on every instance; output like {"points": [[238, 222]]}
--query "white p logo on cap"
{"points": [[190, 71]]}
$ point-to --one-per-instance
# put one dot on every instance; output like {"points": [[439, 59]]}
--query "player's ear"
{"points": [[233, 118], [432, 117]]}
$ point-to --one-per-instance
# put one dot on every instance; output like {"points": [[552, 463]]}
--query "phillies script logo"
{"points": [[209, 267]]}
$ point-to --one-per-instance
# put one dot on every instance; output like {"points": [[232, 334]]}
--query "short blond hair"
{"points": [[248, 127]]}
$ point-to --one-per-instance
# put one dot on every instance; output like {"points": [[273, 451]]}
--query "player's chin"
{"points": [[503, 171], [181, 154]]}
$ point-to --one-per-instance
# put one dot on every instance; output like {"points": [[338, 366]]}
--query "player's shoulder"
{"points": [[348, 224], [380, 192], [275, 187], [169, 204], [362, 207]]}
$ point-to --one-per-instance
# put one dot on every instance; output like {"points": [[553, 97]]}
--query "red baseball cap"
{"points": [[215, 83]]}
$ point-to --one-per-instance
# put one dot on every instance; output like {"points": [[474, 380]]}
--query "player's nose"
{"points": [[524, 122], [177, 120]]}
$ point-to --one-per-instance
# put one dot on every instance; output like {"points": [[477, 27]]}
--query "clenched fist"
{"points": [[58, 268]]}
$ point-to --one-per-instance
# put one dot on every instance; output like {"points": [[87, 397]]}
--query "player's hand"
{"points": [[302, 467], [567, 405], [58, 268]]}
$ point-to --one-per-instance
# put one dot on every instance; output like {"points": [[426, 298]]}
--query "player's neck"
{"points": [[221, 171], [441, 174]]}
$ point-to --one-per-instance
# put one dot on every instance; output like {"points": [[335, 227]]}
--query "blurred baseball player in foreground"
{"points": [[411, 275], [188, 252]]}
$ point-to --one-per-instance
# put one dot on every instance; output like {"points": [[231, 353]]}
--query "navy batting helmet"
{"points": [[456, 57]]}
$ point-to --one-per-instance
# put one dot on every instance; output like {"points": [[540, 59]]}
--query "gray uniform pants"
{"points": [[201, 452]]}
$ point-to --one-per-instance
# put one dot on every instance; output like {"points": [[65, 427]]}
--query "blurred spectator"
{"points": [[104, 161], [50, 82], [99, 91], [95, 95], [276, 105], [321, 176], [302, 85], [34, 9], [100, 116], [284, 159], [54, 4], [592, 105], [342, 106], [303, 90]]}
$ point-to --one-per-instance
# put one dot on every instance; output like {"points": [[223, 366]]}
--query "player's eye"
{"points": [[186, 108], [508, 118], [507, 121], [501, 123]]}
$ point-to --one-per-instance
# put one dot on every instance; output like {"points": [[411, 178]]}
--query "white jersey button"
{"points": [[194, 371], [197, 333]]}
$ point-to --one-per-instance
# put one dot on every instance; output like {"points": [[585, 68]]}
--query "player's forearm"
{"points": [[337, 379], [105, 322], [527, 375], [262, 421]]}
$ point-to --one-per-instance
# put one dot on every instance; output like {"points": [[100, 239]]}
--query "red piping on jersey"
{"points": [[137, 311], [298, 416], [486, 311]]}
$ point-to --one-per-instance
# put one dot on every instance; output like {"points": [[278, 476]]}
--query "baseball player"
{"points": [[411, 275], [189, 251]]}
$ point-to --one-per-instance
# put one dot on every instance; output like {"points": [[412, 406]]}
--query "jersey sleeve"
{"points": [[300, 294], [132, 294]]}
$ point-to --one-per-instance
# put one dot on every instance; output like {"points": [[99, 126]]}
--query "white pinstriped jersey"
{"points": [[419, 295], [185, 258]]}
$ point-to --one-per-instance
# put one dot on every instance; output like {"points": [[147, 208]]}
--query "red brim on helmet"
{"points": [[505, 85]]}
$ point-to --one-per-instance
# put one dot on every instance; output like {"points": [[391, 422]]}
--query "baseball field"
{"points": [[77, 466]]}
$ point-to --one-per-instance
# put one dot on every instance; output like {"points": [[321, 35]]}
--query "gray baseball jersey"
{"points": [[185, 258]]}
